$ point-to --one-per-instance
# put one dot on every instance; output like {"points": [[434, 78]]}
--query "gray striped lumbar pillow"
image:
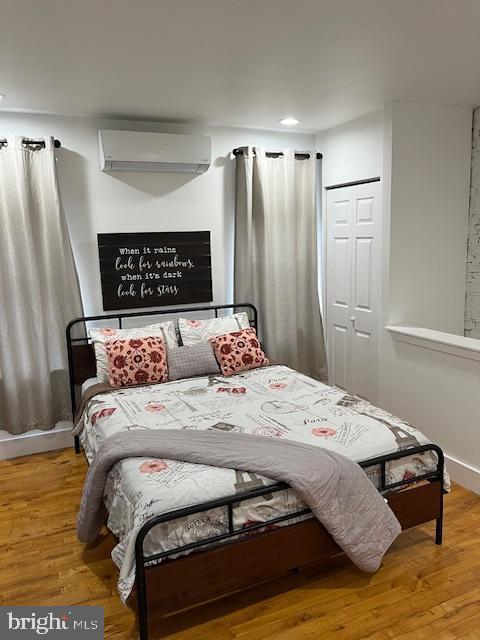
{"points": [[192, 360]]}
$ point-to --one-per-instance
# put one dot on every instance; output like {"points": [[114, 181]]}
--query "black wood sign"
{"points": [[154, 269]]}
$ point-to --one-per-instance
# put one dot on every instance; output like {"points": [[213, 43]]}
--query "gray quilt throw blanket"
{"points": [[335, 488]]}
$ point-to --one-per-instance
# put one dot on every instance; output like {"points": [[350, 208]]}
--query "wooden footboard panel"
{"points": [[226, 568], [417, 505]]}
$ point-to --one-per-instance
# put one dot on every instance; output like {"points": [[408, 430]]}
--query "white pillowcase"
{"points": [[165, 330], [195, 331]]}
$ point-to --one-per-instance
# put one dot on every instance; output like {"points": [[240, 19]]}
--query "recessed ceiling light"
{"points": [[289, 122], [2, 96]]}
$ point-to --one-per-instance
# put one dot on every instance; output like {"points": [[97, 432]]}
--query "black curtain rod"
{"points": [[34, 143], [276, 154]]}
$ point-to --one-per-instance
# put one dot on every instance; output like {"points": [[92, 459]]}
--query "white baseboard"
{"points": [[36, 441], [463, 474]]}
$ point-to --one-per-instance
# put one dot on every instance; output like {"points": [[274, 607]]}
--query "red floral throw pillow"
{"points": [[238, 351], [136, 361]]}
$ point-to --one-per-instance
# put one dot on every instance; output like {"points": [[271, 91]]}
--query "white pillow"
{"points": [[195, 331], [165, 330]]}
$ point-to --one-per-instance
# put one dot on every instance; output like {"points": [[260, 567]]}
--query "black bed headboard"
{"points": [[81, 356]]}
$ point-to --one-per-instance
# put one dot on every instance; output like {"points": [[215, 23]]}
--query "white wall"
{"points": [[427, 155], [430, 168], [353, 151], [97, 202], [439, 393], [472, 297]]}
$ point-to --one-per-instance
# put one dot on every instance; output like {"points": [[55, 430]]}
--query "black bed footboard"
{"points": [[231, 534]]}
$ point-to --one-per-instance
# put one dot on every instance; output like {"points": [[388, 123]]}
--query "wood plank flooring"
{"points": [[421, 592]]}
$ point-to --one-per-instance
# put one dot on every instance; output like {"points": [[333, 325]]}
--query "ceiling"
{"points": [[237, 62]]}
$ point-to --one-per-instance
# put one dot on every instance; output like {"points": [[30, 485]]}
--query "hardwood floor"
{"points": [[422, 591]]}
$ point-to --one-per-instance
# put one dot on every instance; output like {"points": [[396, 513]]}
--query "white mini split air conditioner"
{"points": [[144, 151]]}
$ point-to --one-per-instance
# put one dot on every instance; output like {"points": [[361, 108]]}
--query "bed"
{"points": [[179, 549]]}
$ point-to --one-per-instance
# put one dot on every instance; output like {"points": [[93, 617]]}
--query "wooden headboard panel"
{"points": [[81, 355]]}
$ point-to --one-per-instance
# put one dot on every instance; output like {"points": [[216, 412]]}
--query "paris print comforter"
{"points": [[273, 401]]}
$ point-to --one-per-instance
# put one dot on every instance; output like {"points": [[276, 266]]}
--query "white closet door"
{"points": [[339, 285], [353, 287]]}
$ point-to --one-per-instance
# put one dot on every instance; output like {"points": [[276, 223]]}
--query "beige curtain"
{"points": [[39, 291], [276, 255]]}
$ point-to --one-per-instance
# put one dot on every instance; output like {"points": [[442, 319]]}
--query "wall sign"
{"points": [[154, 269]]}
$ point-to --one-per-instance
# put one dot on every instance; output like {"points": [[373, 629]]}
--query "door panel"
{"points": [[339, 285], [360, 364], [341, 212], [365, 210], [340, 351], [341, 259], [352, 300], [363, 274]]}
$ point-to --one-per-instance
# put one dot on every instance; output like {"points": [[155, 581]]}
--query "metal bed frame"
{"points": [[143, 562], [119, 317]]}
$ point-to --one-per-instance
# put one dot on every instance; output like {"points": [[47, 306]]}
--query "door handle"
{"points": [[352, 320]]}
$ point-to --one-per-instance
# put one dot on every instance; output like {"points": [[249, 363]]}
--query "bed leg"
{"points": [[77, 444], [439, 530], [142, 612], [439, 520]]}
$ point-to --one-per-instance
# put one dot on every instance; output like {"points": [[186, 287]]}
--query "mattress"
{"points": [[273, 401], [88, 383]]}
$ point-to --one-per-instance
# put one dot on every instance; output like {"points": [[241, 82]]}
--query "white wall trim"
{"points": [[463, 474], [37, 441], [449, 343]]}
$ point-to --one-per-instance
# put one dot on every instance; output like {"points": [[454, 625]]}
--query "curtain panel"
{"points": [[276, 262], [39, 290]]}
